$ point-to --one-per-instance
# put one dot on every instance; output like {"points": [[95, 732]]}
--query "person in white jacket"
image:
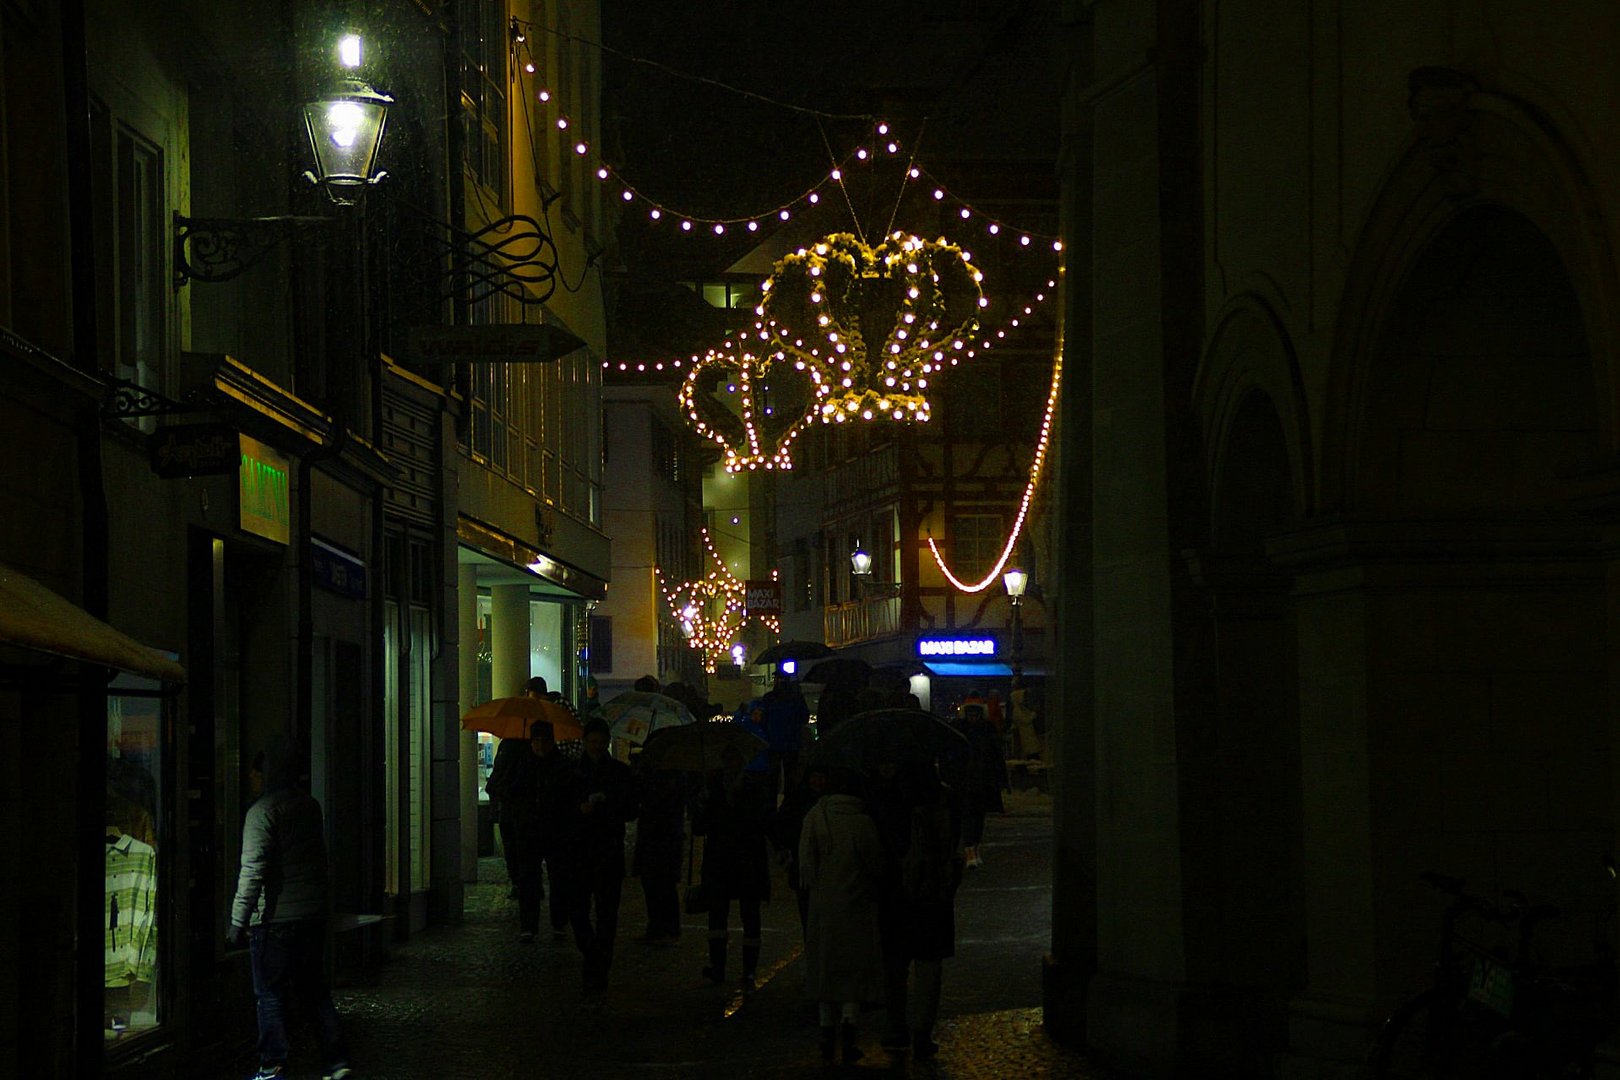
{"points": [[841, 865]]}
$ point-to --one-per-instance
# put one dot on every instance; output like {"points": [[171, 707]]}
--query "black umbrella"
{"points": [[903, 736], [840, 669], [793, 650]]}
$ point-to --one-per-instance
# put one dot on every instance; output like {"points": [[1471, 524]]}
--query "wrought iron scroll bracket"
{"points": [[219, 249], [126, 399]]}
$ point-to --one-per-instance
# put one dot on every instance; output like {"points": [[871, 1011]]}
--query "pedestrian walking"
{"points": [[917, 909], [281, 907], [984, 780], [787, 827], [512, 754], [532, 789], [841, 863], [732, 815], [599, 799], [660, 834], [785, 718]]}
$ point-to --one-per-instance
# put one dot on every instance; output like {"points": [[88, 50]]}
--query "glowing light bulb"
{"points": [[814, 198], [529, 68], [562, 123], [994, 228], [719, 228], [602, 173], [654, 213], [966, 213], [883, 129], [837, 174], [861, 153], [1023, 241], [686, 226], [783, 215], [544, 95], [580, 148], [939, 193], [753, 226], [627, 197]]}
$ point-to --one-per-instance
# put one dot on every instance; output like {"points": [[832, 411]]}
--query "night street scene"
{"points": [[967, 539]]}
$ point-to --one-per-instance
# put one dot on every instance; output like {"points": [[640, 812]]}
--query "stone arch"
{"points": [[1250, 352], [1496, 151]]}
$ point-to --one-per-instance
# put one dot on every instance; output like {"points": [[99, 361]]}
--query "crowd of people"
{"points": [[873, 847]]}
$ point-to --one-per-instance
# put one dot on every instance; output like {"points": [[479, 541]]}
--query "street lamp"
{"points": [[1016, 581], [345, 130], [861, 562]]}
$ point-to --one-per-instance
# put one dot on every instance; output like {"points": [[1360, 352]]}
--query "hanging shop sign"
{"points": [[982, 646], [263, 502], [762, 598], [181, 450], [506, 343]]}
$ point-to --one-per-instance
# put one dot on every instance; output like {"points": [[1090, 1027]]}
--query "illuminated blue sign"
{"points": [[983, 646]]}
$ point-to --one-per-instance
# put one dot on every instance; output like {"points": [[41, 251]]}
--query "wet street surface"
{"points": [[471, 1001]]}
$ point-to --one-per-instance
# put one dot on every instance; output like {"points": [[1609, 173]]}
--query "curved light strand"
{"points": [[1029, 489]]}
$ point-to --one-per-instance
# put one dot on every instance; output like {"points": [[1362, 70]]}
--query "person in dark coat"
{"points": [[598, 798], [787, 826], [660, 835], [732, 815], [531, 789], [985, 779], [509, 755], [919, 825], [786, 716]]}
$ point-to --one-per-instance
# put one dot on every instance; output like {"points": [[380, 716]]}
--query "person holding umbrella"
{"points": [[732, 815]]}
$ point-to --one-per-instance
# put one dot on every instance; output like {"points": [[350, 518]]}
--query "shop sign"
{"points": [[336, 570], [981, 646], [263, 503], [193, 450], [763, 597]]}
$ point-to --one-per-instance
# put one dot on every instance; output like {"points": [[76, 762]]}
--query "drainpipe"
{"points": [[90, 772]]}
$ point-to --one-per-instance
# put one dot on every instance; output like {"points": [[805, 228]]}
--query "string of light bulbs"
{"points": [[1035, 469], [884, 139], [691, 603]]}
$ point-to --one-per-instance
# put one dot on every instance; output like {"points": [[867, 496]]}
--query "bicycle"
{"points": [[1492, 1013]]}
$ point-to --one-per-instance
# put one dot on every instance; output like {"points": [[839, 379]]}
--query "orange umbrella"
{"points": [[510, 717]]}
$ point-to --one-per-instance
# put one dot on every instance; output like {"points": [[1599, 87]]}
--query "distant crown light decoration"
{"points": [[712, 610], [870, 325]]}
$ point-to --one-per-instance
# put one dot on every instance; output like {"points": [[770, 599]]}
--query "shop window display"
{"points": [[131, 923]]}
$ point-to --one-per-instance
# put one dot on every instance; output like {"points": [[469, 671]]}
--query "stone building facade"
{"points": [[1338, 465]]}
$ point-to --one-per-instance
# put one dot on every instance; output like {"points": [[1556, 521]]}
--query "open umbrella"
{"points": [[846, 670], [793, 650], [510, 717], [636, 714], [698, 747], [903, 736]]}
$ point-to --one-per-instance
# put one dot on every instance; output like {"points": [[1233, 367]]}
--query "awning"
{"points": [[34, 617], [976, 669]]}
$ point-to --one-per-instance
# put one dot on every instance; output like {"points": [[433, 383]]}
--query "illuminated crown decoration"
{"points": [[870, 325], [759, 416]]}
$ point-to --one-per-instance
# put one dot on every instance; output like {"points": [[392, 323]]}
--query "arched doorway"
{"points": [[1252, 944]]}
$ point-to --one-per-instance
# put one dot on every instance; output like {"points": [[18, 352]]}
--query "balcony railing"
{"points": [[860, 620], [870, 478]]}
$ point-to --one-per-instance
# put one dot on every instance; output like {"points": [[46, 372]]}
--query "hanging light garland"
{"points": [[1035, 469], [883, 143]]}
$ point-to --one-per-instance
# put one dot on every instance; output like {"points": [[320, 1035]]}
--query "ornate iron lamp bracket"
{"points": [[219, 249], [126, 399]]}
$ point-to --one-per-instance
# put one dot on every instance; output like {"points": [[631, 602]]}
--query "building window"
{"points": [[133, 899], [131, 230], [976, 541], [484, 48]]}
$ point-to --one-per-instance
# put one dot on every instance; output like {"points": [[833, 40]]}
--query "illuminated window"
{"points": [[134, 885], [976, 541]]}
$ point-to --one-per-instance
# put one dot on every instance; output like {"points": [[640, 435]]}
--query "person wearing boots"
{"points": [[841, 863], [732, 816]]}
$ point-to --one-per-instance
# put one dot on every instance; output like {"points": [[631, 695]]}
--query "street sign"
{"points": [[762, 597]]}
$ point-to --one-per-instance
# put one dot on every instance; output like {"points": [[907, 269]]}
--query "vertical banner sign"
{"points": [[762, 598], [263, 502]]}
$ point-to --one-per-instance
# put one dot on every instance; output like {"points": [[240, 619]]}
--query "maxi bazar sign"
{"points": [[980, 646]]}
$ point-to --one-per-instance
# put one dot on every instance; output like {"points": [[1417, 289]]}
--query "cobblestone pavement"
{"points": [[470, 1001]]}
